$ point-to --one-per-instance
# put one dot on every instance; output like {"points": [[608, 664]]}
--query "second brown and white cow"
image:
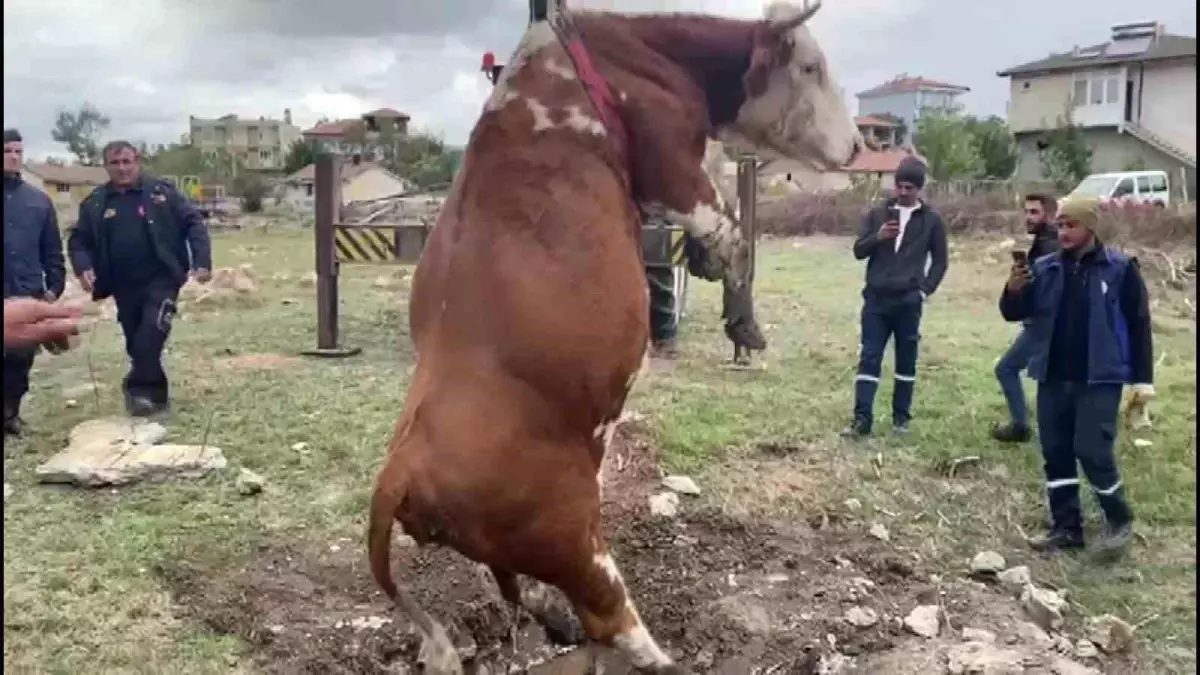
{"points": [[529, 305]]}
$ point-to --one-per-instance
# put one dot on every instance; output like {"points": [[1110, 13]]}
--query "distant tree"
{"points": [[1066, 157], [948, 145], [996, 145], [80, 131], [299, 155], [252, 189]]}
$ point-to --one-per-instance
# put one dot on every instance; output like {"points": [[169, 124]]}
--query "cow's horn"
{"points": [[785, 23]]}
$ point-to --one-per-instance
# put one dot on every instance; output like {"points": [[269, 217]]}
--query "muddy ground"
{"points": [[722, 595]]}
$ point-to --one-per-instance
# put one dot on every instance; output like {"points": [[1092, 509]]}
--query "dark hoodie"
{"points": [[892, 273]]}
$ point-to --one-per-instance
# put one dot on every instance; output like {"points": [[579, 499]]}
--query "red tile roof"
{"points": [[877, 161], [870, 121], [906, 84], [335, 128], [387, 112]]}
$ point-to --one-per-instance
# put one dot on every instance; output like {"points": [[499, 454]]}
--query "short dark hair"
{"points": [[1049, 204], [12, 136], [116, 146]]}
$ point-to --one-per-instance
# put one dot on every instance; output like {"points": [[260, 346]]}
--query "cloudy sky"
{"points": [[148, 64]]}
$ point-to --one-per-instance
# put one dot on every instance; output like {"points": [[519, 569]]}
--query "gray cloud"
{"points": [[150, 69]]}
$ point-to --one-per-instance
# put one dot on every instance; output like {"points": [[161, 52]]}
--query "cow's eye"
{"points": [[811, 69]]}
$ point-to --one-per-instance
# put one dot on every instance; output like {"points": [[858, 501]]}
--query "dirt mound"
{"points": [[721, 594], [228, 285]]}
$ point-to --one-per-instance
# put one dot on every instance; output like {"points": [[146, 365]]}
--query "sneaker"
{"points": [[1013, 432], [1114, 543], [1057, 539], [140, 406], [901, 429], [857, 429], [665, 349]]}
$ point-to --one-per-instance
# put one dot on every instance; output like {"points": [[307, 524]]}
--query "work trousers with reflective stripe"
{"points": [[661, 281], [1077, 425], [882, 319]]}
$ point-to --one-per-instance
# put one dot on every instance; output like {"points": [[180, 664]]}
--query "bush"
{"points": [[253, 190], [841, 214]]}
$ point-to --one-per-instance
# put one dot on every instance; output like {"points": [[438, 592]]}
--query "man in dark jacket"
{"points": [[1089, 316], [898, 238], [33, 265], [136, 240], [1040, 212]]}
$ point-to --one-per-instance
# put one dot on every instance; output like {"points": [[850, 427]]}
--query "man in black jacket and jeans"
{"points": [[1040, 212], [33, 266], [898, 238], [136, 240]]}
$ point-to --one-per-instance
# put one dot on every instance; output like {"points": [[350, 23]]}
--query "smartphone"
{"points": [[1020, 257], [893, 214]]}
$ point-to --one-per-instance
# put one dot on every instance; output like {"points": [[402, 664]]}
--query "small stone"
{"points": [[924, 621], [1015, 578], [1064, 666], [1110, 634], [1142, 443], [1044, 606], [1062, 644], [978, 635], [299, 447], [1086, 649], [852, 504], [249, 483], [880, 532], [681, 484], [7, 491], [861, 617], [72, 403], [834, 664], [664, 505], [987, 564]]}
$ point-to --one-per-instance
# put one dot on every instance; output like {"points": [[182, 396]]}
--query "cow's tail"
{"points": [[389, 492]]}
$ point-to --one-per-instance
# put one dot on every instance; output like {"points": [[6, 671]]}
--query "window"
{"points": [[1112, 89], [62, 188], [1158, 183], [1143, 185], [308, 189], [1080, 95], [1124, 188]]}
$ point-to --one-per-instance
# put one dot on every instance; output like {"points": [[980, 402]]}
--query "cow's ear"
{"points": [[763, 58]]}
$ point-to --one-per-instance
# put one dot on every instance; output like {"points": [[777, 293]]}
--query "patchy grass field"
{"points": [[88, 573]]}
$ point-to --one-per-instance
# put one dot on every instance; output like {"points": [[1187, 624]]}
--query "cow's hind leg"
{"points": [[609, 615], [538, 599]]}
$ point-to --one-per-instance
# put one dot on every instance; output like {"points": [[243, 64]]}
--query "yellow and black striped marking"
{"points": [[365, 244], [676, 256]]}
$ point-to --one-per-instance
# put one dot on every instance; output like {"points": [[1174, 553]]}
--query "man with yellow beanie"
{"points": [[1089, 313]]}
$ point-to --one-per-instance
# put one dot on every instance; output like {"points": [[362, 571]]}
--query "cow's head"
{"points": [[793, 108]]}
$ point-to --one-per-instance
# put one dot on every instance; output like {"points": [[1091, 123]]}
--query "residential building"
{"points": [[1133, 98], [348, 136], [67, 185], [904, 98], [361, 180], [259, 144]]}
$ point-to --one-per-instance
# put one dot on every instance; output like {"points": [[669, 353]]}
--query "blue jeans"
{"points": [[1008, 372], [883, 318]]}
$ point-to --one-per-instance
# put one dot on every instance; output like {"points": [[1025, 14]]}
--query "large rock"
{"points": [[121, 450], [924, 621], [987, 564], [1044, 607], [980, 658], [1015, 579]]}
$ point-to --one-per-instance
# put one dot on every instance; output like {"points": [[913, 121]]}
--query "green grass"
{"points": [[81, 595]]}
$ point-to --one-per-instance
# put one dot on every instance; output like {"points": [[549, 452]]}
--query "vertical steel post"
{"points": [[327, 204]]}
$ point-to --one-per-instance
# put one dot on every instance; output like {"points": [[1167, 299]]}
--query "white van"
{"points": [[1133, 187]]}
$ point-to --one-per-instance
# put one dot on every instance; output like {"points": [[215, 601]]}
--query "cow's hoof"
{"points": [[439, 657], [562, 626]]}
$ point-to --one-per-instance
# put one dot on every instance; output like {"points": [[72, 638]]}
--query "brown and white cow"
{"points": [[529, 305]]}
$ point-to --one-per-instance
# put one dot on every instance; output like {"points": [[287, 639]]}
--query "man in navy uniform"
{"points": [[136, 240], [1089, 316], [33, 266]]}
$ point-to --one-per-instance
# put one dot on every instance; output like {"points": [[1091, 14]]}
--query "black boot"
{"points": [[12, 419], [1013, 432], [1118, 526], [1066, 531], [859, 428]]}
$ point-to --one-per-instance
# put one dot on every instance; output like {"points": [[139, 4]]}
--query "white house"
{"points": [[360, 181]]}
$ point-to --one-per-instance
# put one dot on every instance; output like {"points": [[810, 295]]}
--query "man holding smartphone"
{"points": [[1089, 317], [1040, 211], [898, 239]]}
